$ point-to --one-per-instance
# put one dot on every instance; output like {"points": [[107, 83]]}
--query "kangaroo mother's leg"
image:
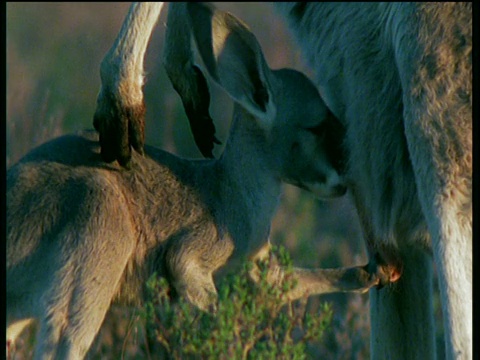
{"points": [[14, 329], [402, 313], [401, 310], [120, 114], [438, 126], [449, 216]]}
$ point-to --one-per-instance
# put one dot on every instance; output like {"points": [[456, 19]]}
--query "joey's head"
{"points": [[281, 112], [306, 138]]}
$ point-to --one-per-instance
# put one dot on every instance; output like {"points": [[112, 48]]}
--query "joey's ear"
{"points": [[336, 149], [233, 58]]}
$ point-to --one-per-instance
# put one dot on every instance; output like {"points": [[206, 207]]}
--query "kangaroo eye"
{"points": [[318, 130]]}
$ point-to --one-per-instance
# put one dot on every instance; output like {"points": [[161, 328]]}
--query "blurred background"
{"points": [[54, 52]]}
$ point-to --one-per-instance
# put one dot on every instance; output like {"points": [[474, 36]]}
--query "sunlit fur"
{"points": [[399, 76], [82, 233]]}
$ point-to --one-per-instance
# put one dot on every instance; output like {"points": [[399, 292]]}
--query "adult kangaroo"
{"points": [[399, 78], [82, 234]]}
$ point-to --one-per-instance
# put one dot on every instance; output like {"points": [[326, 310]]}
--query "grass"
{"points": [[251, 321]]}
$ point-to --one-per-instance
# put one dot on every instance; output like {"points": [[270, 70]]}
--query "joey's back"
{"points": [[51, 191]]}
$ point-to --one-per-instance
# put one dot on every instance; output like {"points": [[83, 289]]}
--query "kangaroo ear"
{"points": [[233, 57]]}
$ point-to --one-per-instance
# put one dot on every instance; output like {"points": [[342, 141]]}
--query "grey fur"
{"points": [[82, 234], [399, 76]]}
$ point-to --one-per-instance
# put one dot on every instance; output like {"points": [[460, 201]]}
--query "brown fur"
{"points": [[82, 234]]}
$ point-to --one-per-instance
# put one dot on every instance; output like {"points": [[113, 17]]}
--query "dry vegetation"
{"points": [[53, 56]]}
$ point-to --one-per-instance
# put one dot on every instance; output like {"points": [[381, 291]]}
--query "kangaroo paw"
{"points": [[120, 127], [387, 267]]}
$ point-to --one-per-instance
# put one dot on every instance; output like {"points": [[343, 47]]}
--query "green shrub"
{"points": [[251, 320]]}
